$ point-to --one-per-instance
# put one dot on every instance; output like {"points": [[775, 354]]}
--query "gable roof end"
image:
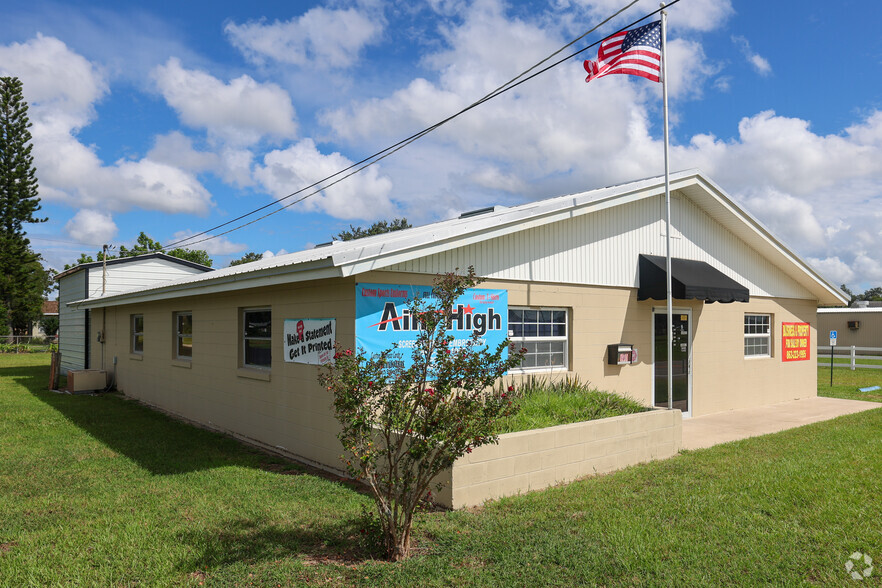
{"points": [[349, 258]]}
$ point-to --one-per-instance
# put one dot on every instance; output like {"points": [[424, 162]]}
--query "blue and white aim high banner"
{"points": [[383, 319]]}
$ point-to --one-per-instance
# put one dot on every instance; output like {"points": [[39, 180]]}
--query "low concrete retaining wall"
{"points": [[532, 460]]}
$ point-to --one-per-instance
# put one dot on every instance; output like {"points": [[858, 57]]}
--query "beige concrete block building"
{"points": [[859, 326], [580, 272]]}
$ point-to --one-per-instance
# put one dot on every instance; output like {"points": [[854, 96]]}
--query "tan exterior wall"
{"points": [[532, 460], [723, 379], [285, 408], [868, 335]]}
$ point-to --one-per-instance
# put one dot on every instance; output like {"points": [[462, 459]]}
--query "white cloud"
{"points": [[321, 37], [231, 164], [236, 166], [239, 112], [834, 269], [175, 148], [62, 88], [495, 179], [699, 15], [72, 174], [819, 193], [723, 83], [552, 126], [148, 184], [688, 69], [869, 268], [791, 219], [268, 254], [785, 154], [759, 63], [363, 196], [91, 227]]}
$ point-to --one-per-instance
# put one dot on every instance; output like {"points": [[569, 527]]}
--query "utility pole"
{"points": [[104, 268]]}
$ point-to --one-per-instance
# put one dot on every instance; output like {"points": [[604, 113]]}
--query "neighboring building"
{"points": [[580, 273], [49, 308], [85, 281], [859, 325]]}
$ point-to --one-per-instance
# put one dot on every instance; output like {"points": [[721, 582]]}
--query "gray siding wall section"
{"points": [[72, 323], [868, 334], [123, 277], [601, 249]]}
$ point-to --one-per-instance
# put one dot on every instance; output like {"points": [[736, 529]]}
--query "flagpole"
{"points": [[664, 72]]}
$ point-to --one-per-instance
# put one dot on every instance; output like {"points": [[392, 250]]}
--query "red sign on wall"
{"points": [[796, 341]]}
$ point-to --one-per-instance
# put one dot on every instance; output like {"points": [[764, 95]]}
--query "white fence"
{"points": [[855, 354]]}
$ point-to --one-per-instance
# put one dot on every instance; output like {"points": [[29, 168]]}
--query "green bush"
{"points": [[547, 403], [25, 348]]}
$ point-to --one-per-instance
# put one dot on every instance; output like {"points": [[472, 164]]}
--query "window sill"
{"points": [[254, 374], [753, 357], [539, 369], [182, 363], [136, 357]]}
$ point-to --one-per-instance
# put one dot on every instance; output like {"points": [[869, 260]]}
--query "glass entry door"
{"points": [[680, 365]]}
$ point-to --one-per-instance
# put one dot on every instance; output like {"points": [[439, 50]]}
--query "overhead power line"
{"points": [[383, 154]]}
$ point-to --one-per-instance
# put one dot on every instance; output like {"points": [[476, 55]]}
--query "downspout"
{"points": [[103, 336]]}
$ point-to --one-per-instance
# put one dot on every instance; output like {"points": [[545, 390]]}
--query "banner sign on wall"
{"points": [[310, 340], [796, 341], [382, 318]]}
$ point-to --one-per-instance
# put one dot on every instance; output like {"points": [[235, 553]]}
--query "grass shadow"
{"points": [[341, 542], [155, 441]]}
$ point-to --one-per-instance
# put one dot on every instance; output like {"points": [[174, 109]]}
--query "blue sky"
{"points": [[174, 117]]}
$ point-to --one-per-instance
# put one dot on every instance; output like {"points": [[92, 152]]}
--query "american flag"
{"points": [[636, 52]]}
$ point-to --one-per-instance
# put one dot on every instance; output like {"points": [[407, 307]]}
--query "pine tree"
{"points": [[247, 258], [378, 228], [21, 273]]}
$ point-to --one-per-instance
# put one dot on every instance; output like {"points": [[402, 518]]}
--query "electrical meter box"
{"points": [[621, 354]]}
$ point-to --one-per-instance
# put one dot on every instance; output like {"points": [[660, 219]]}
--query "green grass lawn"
{"points": [[99, 491], [847, 382]]}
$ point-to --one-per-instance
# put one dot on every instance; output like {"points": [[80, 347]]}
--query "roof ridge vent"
{"points": [[480, 211], [328, 244]]}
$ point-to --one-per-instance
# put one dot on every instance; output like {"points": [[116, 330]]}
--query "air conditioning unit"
{"points": [[82, 381]]}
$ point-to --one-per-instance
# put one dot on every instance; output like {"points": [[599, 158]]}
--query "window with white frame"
{"points": [[184, 335], [543, 333], [757, 335], [138, 333], [257, 337]]}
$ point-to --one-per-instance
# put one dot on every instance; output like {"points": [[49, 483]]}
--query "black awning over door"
{"points": [[690, 279]]}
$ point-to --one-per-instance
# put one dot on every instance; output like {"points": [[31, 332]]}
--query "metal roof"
{"points": [[348, 258]]}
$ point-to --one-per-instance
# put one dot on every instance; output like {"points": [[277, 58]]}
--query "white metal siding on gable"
{"points": [[71, 323], [601, 248], [122, 277], [73, 332]]}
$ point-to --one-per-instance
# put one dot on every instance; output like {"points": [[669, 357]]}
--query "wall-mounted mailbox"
{"points": [[621, 354], [854, 325]]}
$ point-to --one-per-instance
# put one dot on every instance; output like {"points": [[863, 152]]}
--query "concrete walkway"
{"points": [[705, 431]]}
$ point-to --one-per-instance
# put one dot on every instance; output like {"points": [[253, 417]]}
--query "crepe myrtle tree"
{"points": [[401, 427]]}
